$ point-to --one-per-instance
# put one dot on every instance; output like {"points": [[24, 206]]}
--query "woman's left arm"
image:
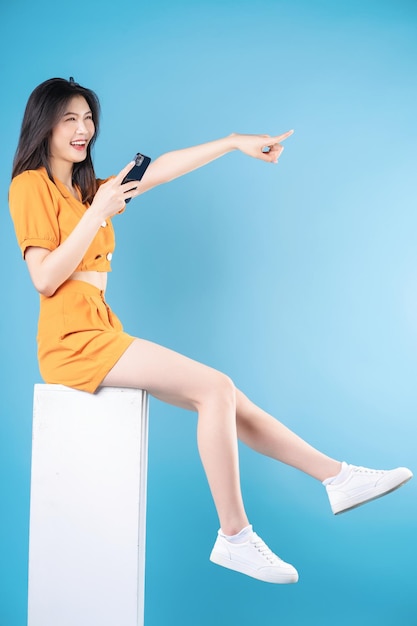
{"points": [[179, 162]]}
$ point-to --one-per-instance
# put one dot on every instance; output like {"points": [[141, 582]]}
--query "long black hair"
{"points": [[46, 105]]}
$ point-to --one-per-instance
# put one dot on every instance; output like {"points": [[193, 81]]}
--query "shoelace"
{"points": [[261, 546], [365, 470]]}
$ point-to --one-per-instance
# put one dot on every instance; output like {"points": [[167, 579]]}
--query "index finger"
{"points": [[282, 137], [120, 176]]}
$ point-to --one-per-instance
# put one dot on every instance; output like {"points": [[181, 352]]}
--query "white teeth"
{"points": [[78, 143]]}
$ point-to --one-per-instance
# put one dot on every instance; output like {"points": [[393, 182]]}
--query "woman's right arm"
{"points": [[49, 269]]}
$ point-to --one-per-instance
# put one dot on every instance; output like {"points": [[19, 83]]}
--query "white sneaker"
{"points": [[361, 485], [253, 558]]}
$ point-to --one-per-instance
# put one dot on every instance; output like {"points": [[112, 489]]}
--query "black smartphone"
{"points": [[137, 171]]}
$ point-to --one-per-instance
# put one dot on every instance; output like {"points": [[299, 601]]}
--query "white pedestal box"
{"points": [[88, 507]]}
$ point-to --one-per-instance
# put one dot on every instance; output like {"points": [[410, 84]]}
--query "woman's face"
{"points": [[72, 134]]}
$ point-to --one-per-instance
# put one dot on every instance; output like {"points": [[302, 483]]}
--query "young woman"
{"points": [[62, 216]]}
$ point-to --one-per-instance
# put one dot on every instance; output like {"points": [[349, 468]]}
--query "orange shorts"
{"points": [[79, 337]]}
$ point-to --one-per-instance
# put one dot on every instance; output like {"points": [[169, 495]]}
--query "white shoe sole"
{"points": [[373, 494], [265, 574]]}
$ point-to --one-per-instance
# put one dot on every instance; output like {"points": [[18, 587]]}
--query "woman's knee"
{"points": [[218, 390]]}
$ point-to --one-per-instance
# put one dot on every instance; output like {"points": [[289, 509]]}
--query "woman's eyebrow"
{"points": [[72, 113]]}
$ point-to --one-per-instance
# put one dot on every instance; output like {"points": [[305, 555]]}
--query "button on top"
{"points": [[104, 224], [109, 256]]}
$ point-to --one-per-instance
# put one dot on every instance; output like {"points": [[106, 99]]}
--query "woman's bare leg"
{"points": [[183, 382], [225, 414], [267, 435]]}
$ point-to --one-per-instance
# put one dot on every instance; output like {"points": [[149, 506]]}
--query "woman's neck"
{"points": [[63, 171], [65, 177]]}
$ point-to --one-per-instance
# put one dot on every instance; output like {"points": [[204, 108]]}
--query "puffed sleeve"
{"points": [[34, 211]]}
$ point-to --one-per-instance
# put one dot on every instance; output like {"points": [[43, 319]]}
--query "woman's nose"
{"points": [[82, 128]]}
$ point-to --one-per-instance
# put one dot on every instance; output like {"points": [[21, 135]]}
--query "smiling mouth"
{"points": [[79, 145]]}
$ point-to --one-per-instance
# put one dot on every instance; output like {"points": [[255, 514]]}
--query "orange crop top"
{"points": [[45, 213]]}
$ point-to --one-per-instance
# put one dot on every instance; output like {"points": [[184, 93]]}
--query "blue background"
{"points": [[298, 280]]}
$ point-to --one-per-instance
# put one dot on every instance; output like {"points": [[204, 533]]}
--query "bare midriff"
{"points": [[98, 279]]}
